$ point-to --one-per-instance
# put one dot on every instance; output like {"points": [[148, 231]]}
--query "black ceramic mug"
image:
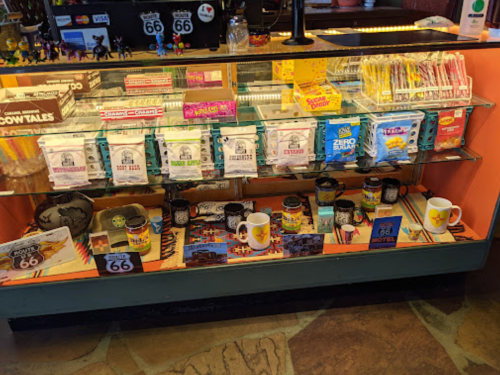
{"points": [[327, 190], [391, 189], [233, 214], [180, 210], [344, 213]]}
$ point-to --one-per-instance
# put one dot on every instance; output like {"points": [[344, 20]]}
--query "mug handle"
{"points": [[341, 192], [360, 209], [197, 211], [238, 232], [459, 216], [406, 192]]}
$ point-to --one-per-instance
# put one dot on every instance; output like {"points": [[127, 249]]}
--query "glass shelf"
{"points": [[275, 50], [39, 183], [252, 108]]}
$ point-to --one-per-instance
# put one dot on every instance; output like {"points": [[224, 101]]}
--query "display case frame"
{"points": [[65, 296]]}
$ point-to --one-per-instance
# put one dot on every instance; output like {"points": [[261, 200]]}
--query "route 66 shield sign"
{"points": [[182, 22], [152, 24], [26, 258], [118, 263]]}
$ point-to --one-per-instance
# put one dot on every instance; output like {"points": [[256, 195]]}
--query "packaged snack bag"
{"points": [[184, 154], [341, 138], [240, 159], [451, 126], [293, 144], [67, 163], [392, 141], [128, 159]]}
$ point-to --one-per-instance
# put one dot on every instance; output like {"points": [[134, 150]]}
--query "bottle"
{"points": [[473, 17], [238, 36]]}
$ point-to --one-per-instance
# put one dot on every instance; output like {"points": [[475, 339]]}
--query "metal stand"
{"points": [[299, 26]]}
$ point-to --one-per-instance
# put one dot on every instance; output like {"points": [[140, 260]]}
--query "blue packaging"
{"points": [[341, 139], [392, 141]]}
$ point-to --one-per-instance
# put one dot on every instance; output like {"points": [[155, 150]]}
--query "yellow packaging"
{"points": [[283, 71], [311, 88]]}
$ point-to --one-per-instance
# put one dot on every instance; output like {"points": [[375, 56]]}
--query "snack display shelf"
{"points": [[338, 263], [38, 183], [275, 50], [247, 115]]}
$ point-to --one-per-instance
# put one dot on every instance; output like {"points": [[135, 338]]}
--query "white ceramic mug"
{"points": [[437, 215], [258, 231]]}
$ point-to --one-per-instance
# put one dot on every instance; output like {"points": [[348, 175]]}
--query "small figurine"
{"points": [[160, 46], [49, 49], [121, 47], [8, 58], [36, 56], [81, 54], [99, 50], [11, 46], [178, 46], [24, 47], [64, 48]]}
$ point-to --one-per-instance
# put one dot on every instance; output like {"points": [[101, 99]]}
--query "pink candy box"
{"points": [[209, 103]]}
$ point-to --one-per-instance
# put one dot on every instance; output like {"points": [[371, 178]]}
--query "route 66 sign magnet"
{"points": [[182, 22], [152, 24]]}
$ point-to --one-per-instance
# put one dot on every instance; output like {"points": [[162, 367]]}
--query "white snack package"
{"points": [[240, 159], [128, 159], [293, 144], [67, 162], [184, 154], [434, 21]]}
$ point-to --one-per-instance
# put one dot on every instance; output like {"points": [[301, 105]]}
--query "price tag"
{"points": [[152, 24], [182, 22], [455, 157]]}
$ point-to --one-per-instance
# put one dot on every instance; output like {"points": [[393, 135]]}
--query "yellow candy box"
{"points": [[283, 71], [311, 88]]}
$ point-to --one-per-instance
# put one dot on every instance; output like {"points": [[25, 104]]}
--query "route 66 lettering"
{"points": [[152, 24], [118, 263], [182, 22], [26, 258]]}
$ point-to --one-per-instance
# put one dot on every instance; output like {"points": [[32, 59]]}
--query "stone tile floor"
{"points": [[404, 332]]}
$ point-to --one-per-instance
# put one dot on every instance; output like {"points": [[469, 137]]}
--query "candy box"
{"points": [[283, 71], [149, 107], [211, 103], [36, 105], [149, 80], [204, 76], [311, 88], [83, 82], [315, 97], [325, 219]]}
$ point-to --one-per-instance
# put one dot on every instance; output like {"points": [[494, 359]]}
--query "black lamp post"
{"points": [[299, 26]]}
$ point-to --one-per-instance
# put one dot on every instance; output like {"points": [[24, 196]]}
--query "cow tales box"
{"points": [[36, 105]]}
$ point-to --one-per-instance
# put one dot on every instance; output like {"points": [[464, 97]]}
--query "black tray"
{"points": [[393, 38]]}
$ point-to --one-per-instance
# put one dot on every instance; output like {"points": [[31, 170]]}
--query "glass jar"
{"points": [[291, 219], [372, 193], [138, 234], [237, 37]]}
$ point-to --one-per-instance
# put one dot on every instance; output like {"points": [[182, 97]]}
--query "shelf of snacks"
{"points": [[41, 182]]}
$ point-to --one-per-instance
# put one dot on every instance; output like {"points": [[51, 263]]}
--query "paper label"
{"points": [[67, 162], [128, 160]]}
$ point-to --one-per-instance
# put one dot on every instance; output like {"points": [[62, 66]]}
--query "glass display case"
{"points": [[365, 139]]}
